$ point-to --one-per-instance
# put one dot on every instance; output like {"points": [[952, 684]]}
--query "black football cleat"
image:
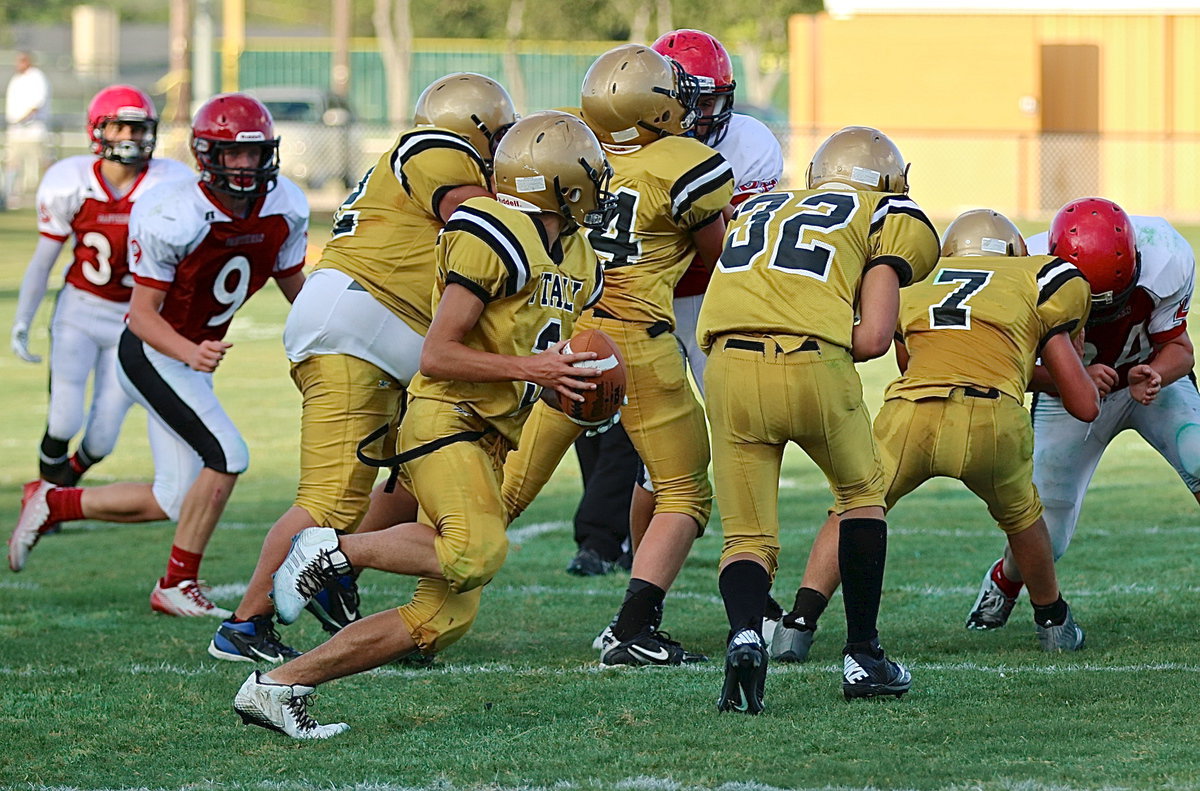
{"points": [[745, 674], [651, 647], [869, 673]]}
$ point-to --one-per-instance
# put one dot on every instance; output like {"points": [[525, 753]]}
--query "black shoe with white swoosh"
{"points": [[253, 640], [651, 647], [745, 674], [868, 673]]}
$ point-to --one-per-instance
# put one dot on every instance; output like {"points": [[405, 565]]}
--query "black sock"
{"points": [[642, 609], [809, 605], [53, 463], [745, 586], [773, 611], [1053, 614], [862, 551]]}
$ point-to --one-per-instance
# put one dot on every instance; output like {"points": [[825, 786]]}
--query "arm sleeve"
{"points": [[56, 207], [477, 251], [295, 247], [37, 275], [1064, 299], [152, 256], [903, 238], [427, 163]]}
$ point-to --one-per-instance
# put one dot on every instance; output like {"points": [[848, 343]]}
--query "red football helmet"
{"points": [[703, 57], [122, 104], [230, 121], [1097, 236]]}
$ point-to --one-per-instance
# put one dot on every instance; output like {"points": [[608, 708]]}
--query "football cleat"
{"points": [[1067, 636], [282, 708], [187, 599], [745, 674], [254, 640], [650, 647], [313, 562], [336, 605], [790, 644], [605, 639], [993, 606], [35, 516], [588, 563], [870, 674]]}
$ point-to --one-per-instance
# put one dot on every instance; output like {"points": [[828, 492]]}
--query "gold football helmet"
{"points": [[983, 232], [633, 96], [862, 158], [476, 107], [551, 161]]}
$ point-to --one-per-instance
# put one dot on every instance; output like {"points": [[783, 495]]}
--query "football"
{"points": [[602, 403]]}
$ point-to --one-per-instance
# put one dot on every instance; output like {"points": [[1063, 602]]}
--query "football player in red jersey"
{"points": [[200, 248], [1137, 350], [89, 197]]}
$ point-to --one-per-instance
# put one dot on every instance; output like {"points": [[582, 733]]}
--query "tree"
{"points": [[393, 29]]}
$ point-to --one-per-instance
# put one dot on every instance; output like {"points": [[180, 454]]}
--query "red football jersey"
{"points": [[74, 200], [209, 262]]}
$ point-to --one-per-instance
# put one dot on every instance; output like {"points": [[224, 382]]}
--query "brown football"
{"points": [[602, 403]]}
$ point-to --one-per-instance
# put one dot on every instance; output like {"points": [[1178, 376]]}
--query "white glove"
{"points": [[20, 344], [599, 428]]}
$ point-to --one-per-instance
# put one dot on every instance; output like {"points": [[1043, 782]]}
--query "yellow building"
{"points": [[1010, 107]]}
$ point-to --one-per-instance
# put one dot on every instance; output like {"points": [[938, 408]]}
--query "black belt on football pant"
{"points": [[412, 453], [654, 330], [975, 392], [758, 346]]}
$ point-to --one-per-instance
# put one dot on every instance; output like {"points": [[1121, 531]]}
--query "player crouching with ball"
{"points": [[512, 275]]}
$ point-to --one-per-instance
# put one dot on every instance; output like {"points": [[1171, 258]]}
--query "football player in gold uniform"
{"points": [[354, 338], [670, 191], [778, 324], [512, 278], [967, 340]]}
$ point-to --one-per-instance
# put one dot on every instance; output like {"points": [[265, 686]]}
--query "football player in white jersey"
{"points": [[89, 197], [200, 248], [1137, 350]]}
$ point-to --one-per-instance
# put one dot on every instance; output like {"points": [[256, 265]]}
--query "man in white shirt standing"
{"points": [[26, 108]]}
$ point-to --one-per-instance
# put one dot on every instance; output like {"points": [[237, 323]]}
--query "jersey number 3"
{"points": [[816, 214]]}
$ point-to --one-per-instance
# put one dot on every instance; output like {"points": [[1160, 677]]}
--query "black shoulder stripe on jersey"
{"points": [[470, 285], [413, 143], [1054, 276], [438, 195], [500, 238], [902, 267], [599, 290], [709, 176], [900, 204], [1066, 327]]}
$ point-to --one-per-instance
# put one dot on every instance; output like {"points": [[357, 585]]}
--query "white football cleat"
{"points": [[282, 708], [313, 561], [35, 513], [187, 599]]}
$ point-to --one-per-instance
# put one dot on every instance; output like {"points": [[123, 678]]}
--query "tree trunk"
{"points": [[514, 79], [663, 14], [393, 28]]}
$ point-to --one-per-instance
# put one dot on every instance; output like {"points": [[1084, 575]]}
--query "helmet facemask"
{"points": [[687, 92], [134, 151], [1107, 306], [239, 182], [606, 203]]}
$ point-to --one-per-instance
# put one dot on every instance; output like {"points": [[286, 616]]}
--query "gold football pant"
{"points": [[763, 392], [664, 421], [344, 399], [985, 442], [458, 488]]}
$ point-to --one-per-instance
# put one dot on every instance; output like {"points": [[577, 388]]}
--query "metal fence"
{"points": [[1024, 175]]}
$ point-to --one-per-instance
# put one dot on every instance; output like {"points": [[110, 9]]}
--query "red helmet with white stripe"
{"points": [[1097, 236], [703, 57], [122, 105], [230, 121]]}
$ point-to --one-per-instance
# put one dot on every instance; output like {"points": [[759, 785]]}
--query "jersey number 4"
{"points": [[784, 241]]}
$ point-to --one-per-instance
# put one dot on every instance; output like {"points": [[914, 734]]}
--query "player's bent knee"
{"points": [[767, 552]]}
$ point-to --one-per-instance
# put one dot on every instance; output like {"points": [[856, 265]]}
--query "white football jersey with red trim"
{"points": [[74, 200], [1157, 310], [209, 263]]}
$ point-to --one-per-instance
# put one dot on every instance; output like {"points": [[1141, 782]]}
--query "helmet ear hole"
{"points": [[573, 195]]}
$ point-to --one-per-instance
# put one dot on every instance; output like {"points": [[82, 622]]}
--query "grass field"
{"points": [[98, 693]]}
